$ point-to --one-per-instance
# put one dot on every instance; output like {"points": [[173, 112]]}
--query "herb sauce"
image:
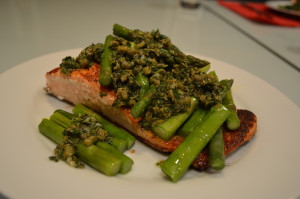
{"points": [[176, 76], [84, 129]]}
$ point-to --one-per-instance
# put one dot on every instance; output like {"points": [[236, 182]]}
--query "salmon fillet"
{"points": [[82, 86]]}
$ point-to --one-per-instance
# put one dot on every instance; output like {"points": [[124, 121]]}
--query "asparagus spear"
{"points": [[116, 147], [214, 75], [52, 130], [181, 159], [97, 158], [193, 61], [167, 129], [216, 151], [227, 86], [121, 31], [105, 78], [62, 118], [119, 144], [110, 127], [144, 82], [65, 113], [205, 68], [126, 33], [233, 121], [143, 103], [126, 161], [192, 122]]}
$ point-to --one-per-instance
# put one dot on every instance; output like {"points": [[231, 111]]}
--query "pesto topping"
{"points": [[175, 75], [87, 57], [68, 65], [84, 129], [151, 55]]}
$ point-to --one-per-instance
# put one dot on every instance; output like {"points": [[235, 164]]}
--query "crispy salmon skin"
{"points": [[82, 86]]}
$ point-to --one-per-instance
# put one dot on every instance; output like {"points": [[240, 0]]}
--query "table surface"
{"points": [[31, 28]]}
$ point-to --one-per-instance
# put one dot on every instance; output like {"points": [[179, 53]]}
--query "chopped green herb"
{"points": [[54, 158], [87, 57], [68, 65], [90, 55], [176, 76]]}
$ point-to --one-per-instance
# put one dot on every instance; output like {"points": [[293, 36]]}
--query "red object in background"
{"points": [[263, 14]]}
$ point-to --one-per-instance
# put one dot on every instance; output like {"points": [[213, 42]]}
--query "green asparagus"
{"points": [[59, 118], [99, 159], [144, 82], [121, 31], [126, 33], [216, 151], [227, 86], [52, 130], [205, 68], [183, 156], [193, 61], [193, 121], [119, 144], [214, 75], [168, 128], [116, 147], [105, 78], [126, 161], [110, 127], [233, 121], [143, 103], [65, 113]]}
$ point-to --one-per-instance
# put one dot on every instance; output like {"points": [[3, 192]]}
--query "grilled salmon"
{"points": [[82, 86]]}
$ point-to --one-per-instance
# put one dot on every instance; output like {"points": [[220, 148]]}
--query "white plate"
{"points": [[269, 168], [275, 5]]}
